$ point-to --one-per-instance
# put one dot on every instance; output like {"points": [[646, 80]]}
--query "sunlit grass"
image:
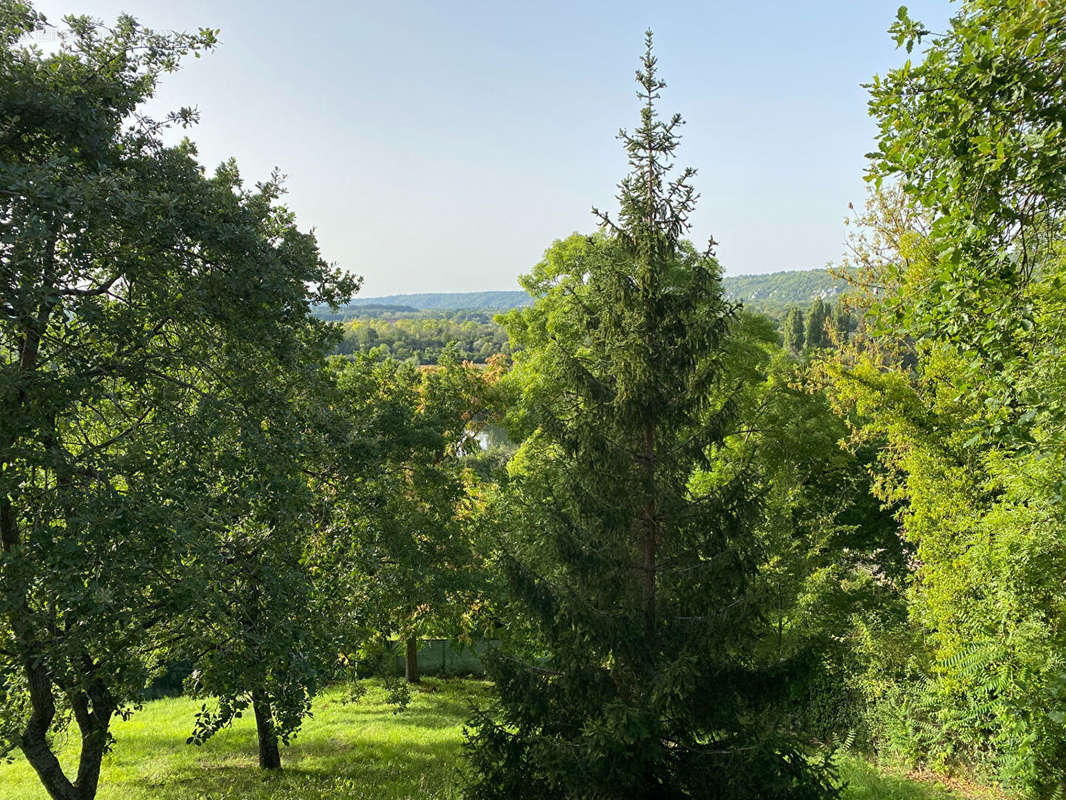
{"points": [[348, 751]]}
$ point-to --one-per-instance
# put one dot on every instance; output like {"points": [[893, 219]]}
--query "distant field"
{"points": [[348, 751]]}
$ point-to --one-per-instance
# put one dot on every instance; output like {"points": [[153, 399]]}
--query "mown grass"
{"points": [[348, 751]]}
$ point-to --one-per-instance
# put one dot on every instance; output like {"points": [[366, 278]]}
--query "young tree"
{"points": [[259, 635], [126, 277], [638, 587], [413, 555]]}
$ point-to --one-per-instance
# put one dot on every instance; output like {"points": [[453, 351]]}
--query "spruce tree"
{"points": [[816, 334], [653, 680], [794, 330]]}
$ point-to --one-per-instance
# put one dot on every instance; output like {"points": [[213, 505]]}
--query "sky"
{"points": [[443, 146]]}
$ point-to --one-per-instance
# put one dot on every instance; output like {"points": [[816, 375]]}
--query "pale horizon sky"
{"points": [[444, 146]]}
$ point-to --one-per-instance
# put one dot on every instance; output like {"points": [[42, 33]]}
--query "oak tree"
{"points": [[129, 282]]}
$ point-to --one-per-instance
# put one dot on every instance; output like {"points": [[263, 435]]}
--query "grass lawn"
{"points": [[348, 751], [866, 782]]}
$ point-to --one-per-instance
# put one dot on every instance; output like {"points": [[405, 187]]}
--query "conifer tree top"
{"points": [[653, 209]]}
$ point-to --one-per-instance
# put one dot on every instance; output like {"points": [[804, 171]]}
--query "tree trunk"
{"points": [[648, 570], [410, 661], [93, 714], [649, 538], [34, 742], [269, 755], [92, 710]]}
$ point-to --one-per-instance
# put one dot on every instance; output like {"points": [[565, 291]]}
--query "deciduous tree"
{"points": [[126, 278]]}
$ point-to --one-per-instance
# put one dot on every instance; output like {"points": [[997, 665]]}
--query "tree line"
{"points": [[422, 337], [713, 551]]}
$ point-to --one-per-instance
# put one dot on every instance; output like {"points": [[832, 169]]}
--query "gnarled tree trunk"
{"points": [[92, 711]]}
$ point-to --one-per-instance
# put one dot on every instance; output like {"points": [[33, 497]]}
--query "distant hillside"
{"points": [[449, 301], [775, 292], [772, 293]]}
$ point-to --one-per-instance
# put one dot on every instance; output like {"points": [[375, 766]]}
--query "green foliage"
{"points": [[824, 325], [708, 574], [829, 550], [422, 339], [976, 488], [841, 322], [975, 135], [960, 378], [816, 334], [259, 633], [958, 375], [409, 560]]}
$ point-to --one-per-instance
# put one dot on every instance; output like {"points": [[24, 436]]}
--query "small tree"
{"points": [[411, 553], [258, 635], [652, 684]]}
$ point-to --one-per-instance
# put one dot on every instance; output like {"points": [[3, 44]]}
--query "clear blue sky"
{"points": [[442, 146]]}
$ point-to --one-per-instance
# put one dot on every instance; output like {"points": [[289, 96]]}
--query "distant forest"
{"points": [[421, 336], [441, 301], [419, 327], [773, 294]]}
